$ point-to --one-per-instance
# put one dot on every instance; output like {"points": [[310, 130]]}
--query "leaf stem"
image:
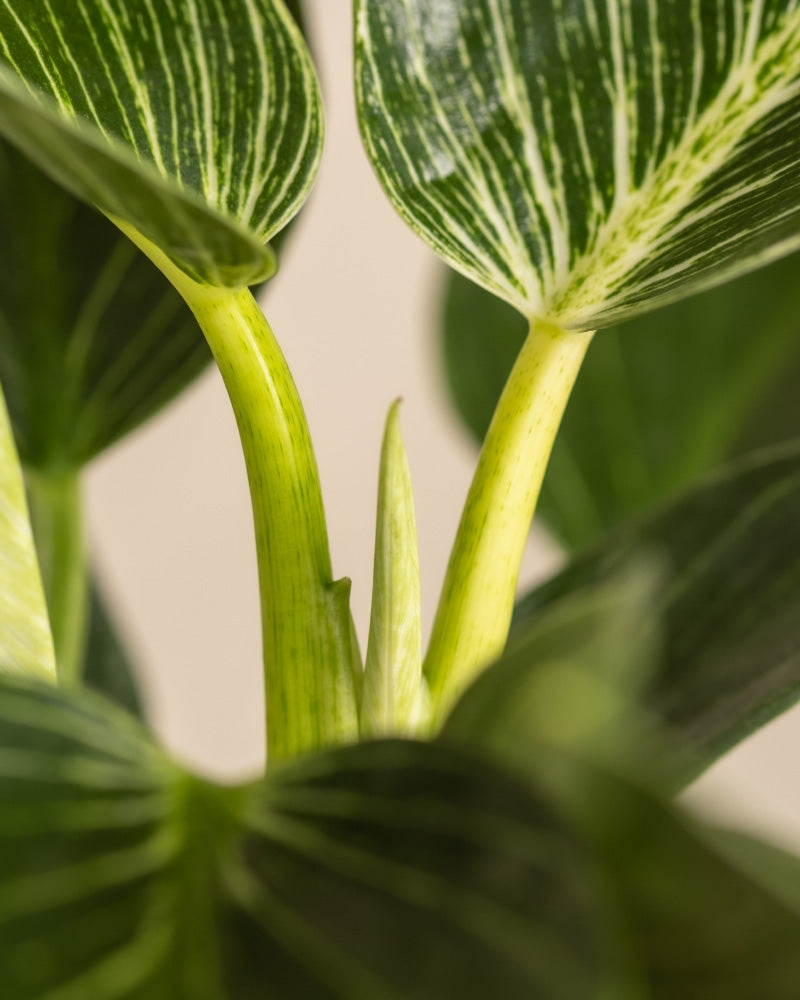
{"points": [[310, 654], [57, 520], [474, 613]]}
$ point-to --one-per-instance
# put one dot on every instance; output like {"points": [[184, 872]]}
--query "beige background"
{"points": [[169, 511]]}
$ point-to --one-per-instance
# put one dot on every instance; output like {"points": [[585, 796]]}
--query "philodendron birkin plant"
{"points": [[491, 819]]}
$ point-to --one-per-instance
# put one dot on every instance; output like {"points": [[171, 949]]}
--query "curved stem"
{"points": [[57, 521], [474, 613], [310, 656]]}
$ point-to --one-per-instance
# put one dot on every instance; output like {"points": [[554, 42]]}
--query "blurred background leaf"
{"points": [[108, 669], [659, 400], [707, 914], [726, 607], [93, 339], [573, 675], [383, 871]]}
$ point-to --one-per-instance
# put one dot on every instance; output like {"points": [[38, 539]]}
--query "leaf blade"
{"points": [[583, 167], [26, 643], [134, 879], [731, 658], [108, 668], [120, 112]]}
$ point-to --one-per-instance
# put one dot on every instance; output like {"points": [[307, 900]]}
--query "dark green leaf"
{"points": [[728, 610], [373, 873], [587, 161], [400, 871], [702, 924], [199, 124], [658, 402], [93, 338], [776, 869], [108, 669]]}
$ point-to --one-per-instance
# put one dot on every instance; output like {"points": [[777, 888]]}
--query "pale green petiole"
{"points": [[311, 661], [392, 691], [474, 613], [57, 519]]}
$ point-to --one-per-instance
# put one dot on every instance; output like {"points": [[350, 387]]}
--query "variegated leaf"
{"points": [[26, 644], [364, 873], [198, 122], [587, 159]]}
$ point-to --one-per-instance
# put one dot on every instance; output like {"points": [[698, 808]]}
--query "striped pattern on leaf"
{"points": [[586, 160], [405, 870], [89, 842], [26, 643], [197, 122], [384, 871]]}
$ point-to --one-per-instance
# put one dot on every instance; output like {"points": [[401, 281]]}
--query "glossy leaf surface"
{"points": [[199, 123], [728, 608], [585, 161], [658, 402], [382, 871]]}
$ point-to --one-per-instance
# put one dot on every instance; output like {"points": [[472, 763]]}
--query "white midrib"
{"points": [[641, 221]]}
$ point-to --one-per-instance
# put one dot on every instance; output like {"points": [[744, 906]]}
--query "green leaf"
{"points": [[571, 676], [393, 693], [702, 926], [26, 644], [728, 608], [107, 344], [587, 161], [702, 922], [377, 872], [108, 669], [658, 402], [198, 124], [776, 869], [97, 827], [399, 870]]}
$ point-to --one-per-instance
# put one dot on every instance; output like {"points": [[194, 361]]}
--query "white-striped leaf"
{"points": [[385, 871], [587, 159], [26, 643], [198, 122]]}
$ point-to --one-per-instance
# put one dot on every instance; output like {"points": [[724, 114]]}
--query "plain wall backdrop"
{"points": [[354, 308]]}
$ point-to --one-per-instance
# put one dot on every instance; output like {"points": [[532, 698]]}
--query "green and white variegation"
{"points": [[586, 159], [26, 643], [198, 122]]}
